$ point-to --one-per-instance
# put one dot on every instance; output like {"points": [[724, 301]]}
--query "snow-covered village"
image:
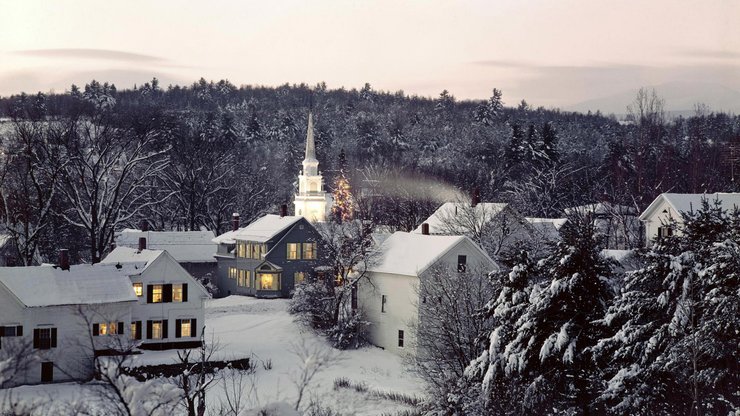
{"points": [[344, 208]]}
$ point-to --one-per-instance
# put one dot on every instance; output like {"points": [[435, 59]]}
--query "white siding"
{"points": [[658, 218]]}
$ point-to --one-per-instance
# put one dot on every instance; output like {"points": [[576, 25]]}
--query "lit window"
{"points": [[294, 251], [242, 249], [134, 332], [309, 251], [157, 294], [157, 329], [103, 329], [400, 338], [256, 251], [263, 247], [300, 277], [139, 289], [186, 328], [243, 278], [269, 281], [177, 293], [232, 273]]}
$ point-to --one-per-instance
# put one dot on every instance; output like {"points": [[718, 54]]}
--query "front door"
{"points": [[47, 372]]}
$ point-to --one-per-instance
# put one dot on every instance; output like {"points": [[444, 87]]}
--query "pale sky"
{"points": [[551, 52]]}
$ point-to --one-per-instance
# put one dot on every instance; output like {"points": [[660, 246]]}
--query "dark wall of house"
{"points": [[200, 270]]}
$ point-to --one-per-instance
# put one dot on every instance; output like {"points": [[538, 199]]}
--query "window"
{"points": [[232, 273], [244, 278], [263, 248], [353, 298], [665, 231], [400, 338], [294, 251], [309, 251], [242, 249], [136, 330], [383, 301], [45, 338], [299, 278], [107, 328], [256, 251], [11, 331], [462, 263], [156, 293], [185, 328], [269, 281], [177, 293], [139, 289], [156, 330]]}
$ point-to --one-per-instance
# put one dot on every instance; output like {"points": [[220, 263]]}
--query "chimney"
{"points": [[425, 229], [475, 199], [144, 225], [234, 221], [64, 259], [283, 210], [142, 243]]}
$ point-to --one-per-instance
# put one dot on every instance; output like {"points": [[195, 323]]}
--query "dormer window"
{"points": [[139, 289]]}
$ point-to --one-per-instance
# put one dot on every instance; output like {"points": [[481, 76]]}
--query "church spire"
{"points": [[310, 143]]}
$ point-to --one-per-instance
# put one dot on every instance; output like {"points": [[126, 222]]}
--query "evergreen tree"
{"points": [[343, 208], [673, 342]]}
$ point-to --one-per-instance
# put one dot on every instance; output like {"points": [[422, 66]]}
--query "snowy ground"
{"points": [[263, 330]]}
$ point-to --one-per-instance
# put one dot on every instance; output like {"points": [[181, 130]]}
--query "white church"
{"points": [[311, 201]]}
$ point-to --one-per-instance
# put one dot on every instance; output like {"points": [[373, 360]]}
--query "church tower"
{"points": [[311, 201]]}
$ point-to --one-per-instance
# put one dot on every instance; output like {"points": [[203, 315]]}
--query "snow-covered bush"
{"points": [[349, 332]]}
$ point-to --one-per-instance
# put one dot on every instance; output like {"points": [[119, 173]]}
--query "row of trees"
{"points": [[568, 334], [195, 154]]}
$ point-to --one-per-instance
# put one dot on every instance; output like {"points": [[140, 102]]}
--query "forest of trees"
{"points": [[80, 165]]}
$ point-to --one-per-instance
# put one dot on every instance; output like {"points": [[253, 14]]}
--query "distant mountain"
{"points": [[680, 99]]}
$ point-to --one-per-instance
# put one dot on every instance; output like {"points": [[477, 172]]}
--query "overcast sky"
{"points": [[553, 53]]}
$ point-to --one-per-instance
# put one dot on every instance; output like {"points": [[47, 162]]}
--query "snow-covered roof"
{"points": [[83, 284], [601, 208], [440, 221], [260, 230], [410, 254], [132, 260], [686, 202], [554, 222], [548, 228], [184, 246]]}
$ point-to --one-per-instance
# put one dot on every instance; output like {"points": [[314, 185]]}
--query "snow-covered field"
{"points": [[263, 330]]}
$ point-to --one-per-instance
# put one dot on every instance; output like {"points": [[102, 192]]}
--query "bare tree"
{"points": [[104, 175], [313, 360], [29, 173], [196, 380]]}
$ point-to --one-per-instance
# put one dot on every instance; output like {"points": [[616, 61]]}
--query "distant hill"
{"points": [[680, 98]]}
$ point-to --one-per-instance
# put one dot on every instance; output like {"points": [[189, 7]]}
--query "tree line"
{"points": [[79, 165]]}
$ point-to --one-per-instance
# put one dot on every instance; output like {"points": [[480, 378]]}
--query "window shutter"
{"points": [[164, 325], [19, 331], [96, 330], [148, 329], [138, 330], [167, 293], [120, 328], [2, 331], [36, 342], [193, 328], [53, 337], [178, 328], [149, 293], [185, 291]]}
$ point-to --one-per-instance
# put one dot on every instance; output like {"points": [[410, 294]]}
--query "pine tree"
{"points": [[343, 208], [673, 342]]}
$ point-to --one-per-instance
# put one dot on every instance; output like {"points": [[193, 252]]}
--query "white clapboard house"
{"points": [[389, 297], [48, 315], [169, 312], [667, 211]]}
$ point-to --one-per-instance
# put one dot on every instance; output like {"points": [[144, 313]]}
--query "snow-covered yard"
{"points": [[263, 330]]}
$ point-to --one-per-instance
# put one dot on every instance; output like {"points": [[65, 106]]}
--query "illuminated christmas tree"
{"points": [[343, 208]]}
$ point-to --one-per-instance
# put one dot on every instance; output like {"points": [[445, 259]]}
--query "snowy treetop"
{"points": [[82, 284], [260, 230], [184, 246]]}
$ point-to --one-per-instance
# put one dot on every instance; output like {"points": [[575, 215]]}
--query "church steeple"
{"points": [[310, 163], [311, 201]]}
